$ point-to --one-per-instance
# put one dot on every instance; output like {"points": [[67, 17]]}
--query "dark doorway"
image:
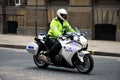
{"points": [[12, 26], [105, 32]]}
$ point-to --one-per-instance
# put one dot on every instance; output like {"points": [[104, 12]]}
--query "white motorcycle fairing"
{"points": [[69, 48]]}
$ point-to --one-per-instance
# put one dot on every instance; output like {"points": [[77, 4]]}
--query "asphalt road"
{"points": [[16, 64]]}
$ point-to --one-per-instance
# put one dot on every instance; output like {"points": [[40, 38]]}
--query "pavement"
{"points": [[96, 47]]}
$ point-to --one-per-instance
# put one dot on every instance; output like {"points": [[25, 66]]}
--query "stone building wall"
{"points": [[82, 13]]}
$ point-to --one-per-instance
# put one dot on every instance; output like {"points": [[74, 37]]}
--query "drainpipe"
{"points": [[47, 24], [36, 7]]}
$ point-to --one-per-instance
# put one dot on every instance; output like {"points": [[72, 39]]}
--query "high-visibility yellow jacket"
{"points": [[57, 29]]}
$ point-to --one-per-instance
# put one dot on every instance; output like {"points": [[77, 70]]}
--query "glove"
{"points": [[62, 37]]}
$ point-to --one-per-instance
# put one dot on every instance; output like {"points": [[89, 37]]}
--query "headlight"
{"points": [[83, 40], [76, 38]]}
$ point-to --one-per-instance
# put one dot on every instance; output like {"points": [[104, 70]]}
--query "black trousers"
{"points": [[54, 47]]}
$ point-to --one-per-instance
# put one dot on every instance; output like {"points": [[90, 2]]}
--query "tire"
{"points": [[39, 63], [86, 66]]}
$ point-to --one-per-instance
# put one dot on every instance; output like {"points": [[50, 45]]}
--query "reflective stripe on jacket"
{"points": [[57, 29]]}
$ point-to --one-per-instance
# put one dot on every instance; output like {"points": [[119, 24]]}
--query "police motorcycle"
{"points": [[73, 53]]}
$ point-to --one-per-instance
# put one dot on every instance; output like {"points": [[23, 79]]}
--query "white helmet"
{"points": [[62, 14]]}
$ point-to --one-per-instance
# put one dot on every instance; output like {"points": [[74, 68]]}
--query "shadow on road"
{"points": [[57, 69]]}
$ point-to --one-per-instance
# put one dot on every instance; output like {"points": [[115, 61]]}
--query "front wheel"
{"points": [[86, 66], [39, 63]]}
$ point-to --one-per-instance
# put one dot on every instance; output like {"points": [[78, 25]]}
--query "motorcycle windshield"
{"points": [[77, 30]]}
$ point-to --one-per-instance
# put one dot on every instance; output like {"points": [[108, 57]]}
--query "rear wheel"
{"points": [[39, 63], [86, 66]]}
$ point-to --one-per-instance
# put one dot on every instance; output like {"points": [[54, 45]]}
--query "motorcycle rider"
{"points": [[58, 27]]}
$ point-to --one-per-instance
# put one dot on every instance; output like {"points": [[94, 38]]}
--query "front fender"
{"points": [[81, 54]]}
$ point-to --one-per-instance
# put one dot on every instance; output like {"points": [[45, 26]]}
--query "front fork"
{"points": [[81, 55]]}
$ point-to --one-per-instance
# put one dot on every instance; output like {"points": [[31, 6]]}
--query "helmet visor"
{"points": [[64, 16]]}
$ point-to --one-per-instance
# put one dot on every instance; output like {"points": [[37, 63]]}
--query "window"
{"points": [[20, 2], [17, 2], [0, 2], [10, 2]]}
